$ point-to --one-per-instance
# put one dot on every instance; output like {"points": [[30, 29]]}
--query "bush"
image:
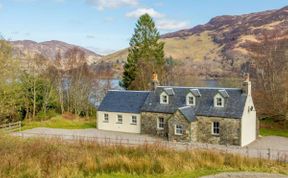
{"points": [[42, 116]]}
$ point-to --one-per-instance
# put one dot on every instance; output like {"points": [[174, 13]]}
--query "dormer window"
{"points": [[219, 101], [219, 98], [190, 100], [191, 97], [164, 99]]}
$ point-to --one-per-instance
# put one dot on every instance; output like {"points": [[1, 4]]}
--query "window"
{"points": [[134, 120], [160, 123], [219, 102], [179, 130], [215, 128], [191, 100], [164, 98], [119, 119], [106, 117]]}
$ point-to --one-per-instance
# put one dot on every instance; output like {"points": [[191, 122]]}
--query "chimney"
{"points": [[246, 85], [155, 81]]}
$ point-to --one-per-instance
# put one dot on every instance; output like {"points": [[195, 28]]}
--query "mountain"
{"points": [[49, 49], [220, 47]]}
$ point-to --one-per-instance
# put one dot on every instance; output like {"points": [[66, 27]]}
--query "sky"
{"points": [[105, 26]]}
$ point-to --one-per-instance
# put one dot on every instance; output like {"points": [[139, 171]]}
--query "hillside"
{"points": [[49, 49], [218, 48]]}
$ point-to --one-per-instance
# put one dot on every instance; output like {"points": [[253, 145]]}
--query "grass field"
{"points": [[56, 158], [268, 127], [60, 122]]}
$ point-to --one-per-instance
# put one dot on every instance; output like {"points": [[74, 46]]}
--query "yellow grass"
{"points": [[55, 158], [60, 122], [195, 47]]}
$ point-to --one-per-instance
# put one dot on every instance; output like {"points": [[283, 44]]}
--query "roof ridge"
{"points": [[184, 107], [130, 91], [216, 88]]}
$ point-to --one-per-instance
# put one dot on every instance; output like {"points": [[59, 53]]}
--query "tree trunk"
{"points": [[34, 99]]}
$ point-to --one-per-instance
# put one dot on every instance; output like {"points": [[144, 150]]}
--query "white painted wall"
{"points": [[112, 125], [248, 123]]}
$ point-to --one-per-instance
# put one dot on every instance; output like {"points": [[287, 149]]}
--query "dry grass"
{"points": [[193, 47], [55, 158]]}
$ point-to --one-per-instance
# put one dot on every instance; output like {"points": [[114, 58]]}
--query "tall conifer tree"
{"points": [[146, 55]]}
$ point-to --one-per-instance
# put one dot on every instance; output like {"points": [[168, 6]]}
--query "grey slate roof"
{"points": [[233, 108], [123, 101], [188, 112]]}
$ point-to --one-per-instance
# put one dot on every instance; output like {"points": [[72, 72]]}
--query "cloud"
{"points": [[141, 11], [166, 24], [90, 36], [106, 4], [161, 20], [1, 6]]}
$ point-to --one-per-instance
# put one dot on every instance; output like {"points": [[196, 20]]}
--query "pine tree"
{"points": [[146, 55]]}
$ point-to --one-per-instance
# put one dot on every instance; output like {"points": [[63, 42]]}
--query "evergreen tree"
{"points": [[146, 55]]}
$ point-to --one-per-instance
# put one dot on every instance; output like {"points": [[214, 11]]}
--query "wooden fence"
{"points": [[11, 127]]}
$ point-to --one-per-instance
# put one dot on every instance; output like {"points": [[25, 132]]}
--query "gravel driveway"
{"points": [[99, 135], [272, 142]]}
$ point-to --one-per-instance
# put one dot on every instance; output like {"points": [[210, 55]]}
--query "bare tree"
{"points": [[271, 60]]}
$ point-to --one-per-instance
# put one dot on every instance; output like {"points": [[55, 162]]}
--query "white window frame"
{"points": [[118, 117], [218, 96], [134, 120], [215, 127], [162, 123], [178, 128], [190, 95], [162, 101], [106, 117]]}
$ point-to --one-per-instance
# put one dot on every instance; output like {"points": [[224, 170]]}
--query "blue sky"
{"points": [[107, 25]]}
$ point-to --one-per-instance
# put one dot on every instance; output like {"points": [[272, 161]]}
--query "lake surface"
{"points": [[227, 83]]}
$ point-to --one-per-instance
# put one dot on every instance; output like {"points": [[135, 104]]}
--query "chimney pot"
{"points": [[155, 81]]}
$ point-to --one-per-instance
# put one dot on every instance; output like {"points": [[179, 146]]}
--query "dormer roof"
{"points": [[223, 93], [169, 91], [195, 92]]}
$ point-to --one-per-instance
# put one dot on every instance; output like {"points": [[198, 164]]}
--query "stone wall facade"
{"points": [[149, 124], [199, 130], [230, 131], [179, 119]]}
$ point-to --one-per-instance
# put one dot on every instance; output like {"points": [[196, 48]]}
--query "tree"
{"points": [[271, 60], [146, 55], [9, 88]]}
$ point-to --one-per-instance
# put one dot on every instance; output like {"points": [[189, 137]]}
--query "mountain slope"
{"points": [[49, 49], [218, 48]]}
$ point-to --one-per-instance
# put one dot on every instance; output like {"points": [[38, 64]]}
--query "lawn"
{"points": [[268, 127], [273, 132], [35, 157], [60, 122]]}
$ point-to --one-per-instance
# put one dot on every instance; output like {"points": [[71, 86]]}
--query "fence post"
{"points": [[247, 152], [20, 125], [269, 153]]}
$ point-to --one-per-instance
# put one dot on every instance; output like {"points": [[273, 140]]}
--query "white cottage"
{"points": [[190, 114]]}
